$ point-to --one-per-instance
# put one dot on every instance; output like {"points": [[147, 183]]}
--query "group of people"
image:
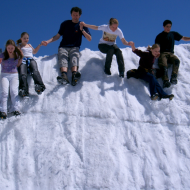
{"points": [[17, 60]]}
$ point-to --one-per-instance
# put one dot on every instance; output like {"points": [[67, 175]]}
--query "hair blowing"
{"points": [[154, 46], [17, 52], [19, 40], [113, 21]]}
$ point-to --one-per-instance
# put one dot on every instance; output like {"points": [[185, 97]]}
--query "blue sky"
{"points": [[140, 20]]}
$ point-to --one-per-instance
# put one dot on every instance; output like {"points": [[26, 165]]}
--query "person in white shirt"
{"points": [[107, 44]]}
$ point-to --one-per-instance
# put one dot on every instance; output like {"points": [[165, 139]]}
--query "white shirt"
{"points": [[108, 36]]}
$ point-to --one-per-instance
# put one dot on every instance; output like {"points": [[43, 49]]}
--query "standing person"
{"points": [[166, 40], [28, 65], [11, 59], [107, 44], [68, 51], [145, 70]]}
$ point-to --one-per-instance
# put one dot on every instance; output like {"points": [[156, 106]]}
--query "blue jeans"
{"points": [[153, 84]]}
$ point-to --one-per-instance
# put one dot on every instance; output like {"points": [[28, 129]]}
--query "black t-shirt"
{"points": [[167, 41], [71, 34]]}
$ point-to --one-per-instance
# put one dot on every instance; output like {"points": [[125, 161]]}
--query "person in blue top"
{"points": [[166, 40], [68, 51]]}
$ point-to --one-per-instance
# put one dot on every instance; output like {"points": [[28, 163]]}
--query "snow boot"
{"points": [[155, 96], [75, 78], [16, 113], [173, 79], [166, 84], [22, 93], [170, 97], [63, 79], [39, 89], [3, 115]]}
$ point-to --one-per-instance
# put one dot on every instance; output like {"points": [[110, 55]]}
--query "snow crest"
{"points": [[105, 133]]}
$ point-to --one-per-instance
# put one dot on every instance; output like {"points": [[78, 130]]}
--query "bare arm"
{"points": [[89, 26], [124, 42], [37, 48], [55, 38], [132, 44], [86, 35], [186, 38]]}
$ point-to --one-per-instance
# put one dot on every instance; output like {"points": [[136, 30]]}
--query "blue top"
{"points": [[71, 34], [167, 41]]}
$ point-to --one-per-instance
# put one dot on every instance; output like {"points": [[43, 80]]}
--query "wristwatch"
{"points": [[82, 30]]}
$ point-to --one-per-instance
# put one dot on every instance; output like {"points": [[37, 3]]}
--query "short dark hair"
{"points": [[167, 22], [76, 9]]}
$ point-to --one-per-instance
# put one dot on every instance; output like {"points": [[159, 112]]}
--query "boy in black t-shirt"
{"points": [[166, 40], [71, 32]]}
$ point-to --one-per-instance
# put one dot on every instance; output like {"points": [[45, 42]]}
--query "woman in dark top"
{"points": [[145, 72]]}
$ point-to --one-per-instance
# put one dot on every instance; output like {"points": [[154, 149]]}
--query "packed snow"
{"points": [[103, 134]]}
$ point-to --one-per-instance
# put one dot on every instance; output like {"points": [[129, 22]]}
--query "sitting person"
{"points": [[108, 45], [144, 70], [166, 39]]}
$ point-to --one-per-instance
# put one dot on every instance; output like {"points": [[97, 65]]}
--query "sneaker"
{"points": [[75, 78], [22, 93], [107, 71], [16, 113], [166, 84], [63, 79], [39, 88], [170, 97], [173, 79], [155, 96], [3, 115], [121, 74]]}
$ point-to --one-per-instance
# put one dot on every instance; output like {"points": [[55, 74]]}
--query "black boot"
{"points": [[3, 115], [23, 93], [170, 97], [16, 113], [173, 79], [166, 84], [39, 88], [75, 78]]}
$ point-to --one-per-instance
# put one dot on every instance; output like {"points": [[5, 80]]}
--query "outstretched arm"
{"points": [[186, 38], [86, 35], [132, 44], [55, 38], [37, 48], [89, 26]]}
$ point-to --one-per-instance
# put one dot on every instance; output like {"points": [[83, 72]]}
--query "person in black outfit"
{"points": [[68, 52], [166, 40], [145, 70]]}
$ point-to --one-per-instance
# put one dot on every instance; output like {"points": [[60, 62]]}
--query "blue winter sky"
{"points": [[140, 20]]}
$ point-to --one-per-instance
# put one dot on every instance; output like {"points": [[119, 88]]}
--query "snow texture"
{"points": [[103, 134]]}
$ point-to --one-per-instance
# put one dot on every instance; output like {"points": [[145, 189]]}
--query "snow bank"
{"points": [[105, 133]]}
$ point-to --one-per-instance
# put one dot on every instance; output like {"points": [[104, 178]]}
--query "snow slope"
{"points": [[103, 134]]}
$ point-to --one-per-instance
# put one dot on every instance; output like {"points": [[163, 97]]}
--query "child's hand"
{"points": [[44, 43], [131, 43]]}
